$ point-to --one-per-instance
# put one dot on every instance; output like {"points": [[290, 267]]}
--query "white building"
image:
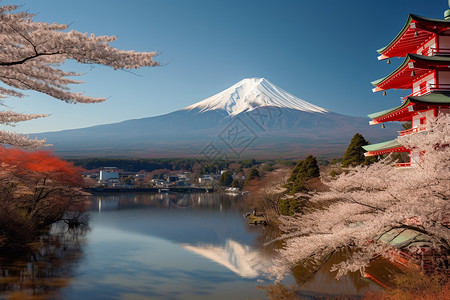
{"points": [[110, 173]]}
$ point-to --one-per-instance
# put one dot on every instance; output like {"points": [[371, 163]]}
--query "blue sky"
{"points": [[323, 52]]}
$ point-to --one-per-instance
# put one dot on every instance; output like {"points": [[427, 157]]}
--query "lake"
{"points": [[163, 246]]}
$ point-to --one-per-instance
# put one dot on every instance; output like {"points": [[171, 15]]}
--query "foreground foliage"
{"points": [[369, 201], [37, 190]]}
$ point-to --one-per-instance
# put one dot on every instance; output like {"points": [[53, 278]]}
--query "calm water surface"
{"points": [[164, 246], [169, 246]]}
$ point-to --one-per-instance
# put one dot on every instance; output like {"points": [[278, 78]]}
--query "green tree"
{"points": [[288, 207], [226, 178], [253, 174], [354, 155], [303, 171], [248, 163], [237, 183]]}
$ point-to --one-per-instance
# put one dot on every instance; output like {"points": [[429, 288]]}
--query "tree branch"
{"points": [[19, 62]]}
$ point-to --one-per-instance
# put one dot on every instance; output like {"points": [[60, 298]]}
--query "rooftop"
{"points": [[416, 32]]}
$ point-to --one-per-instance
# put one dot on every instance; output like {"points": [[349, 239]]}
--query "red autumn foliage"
{"points": [[37, 189], [40, 162]]}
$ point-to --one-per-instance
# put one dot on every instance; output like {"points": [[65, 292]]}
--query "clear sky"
{"points": [[323, 52]]}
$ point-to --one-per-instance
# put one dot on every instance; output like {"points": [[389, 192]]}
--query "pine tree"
{"points": [[303, 171], [354, 155]]}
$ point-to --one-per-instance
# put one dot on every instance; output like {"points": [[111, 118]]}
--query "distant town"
{"points": [[112, 178]]}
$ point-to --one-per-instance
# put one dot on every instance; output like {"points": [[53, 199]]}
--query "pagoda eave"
{"points": [[415, 66], [386, 151], [411, 107], [398, 117], [383, 148], [435, 98], [416, 32]]}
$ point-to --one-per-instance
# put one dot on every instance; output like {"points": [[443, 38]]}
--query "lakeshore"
{"points": [[163, 246], [108, 190]]}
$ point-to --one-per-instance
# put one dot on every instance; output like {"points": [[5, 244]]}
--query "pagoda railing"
{"points": [[428, 89], [412, 130], [403, 165], [438, 51]]}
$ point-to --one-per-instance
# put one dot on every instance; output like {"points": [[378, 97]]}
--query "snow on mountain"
{"points": [[251, 93], [234, 123]]}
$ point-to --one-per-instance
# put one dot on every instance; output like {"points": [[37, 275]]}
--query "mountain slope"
{"points": [[251, 93], [253, 118]]}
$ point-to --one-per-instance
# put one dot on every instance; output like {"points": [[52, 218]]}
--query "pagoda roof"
{"points": [[432, 98], [387, 112], [416, 32], [403, 113], [400, 78], [383, 148]]}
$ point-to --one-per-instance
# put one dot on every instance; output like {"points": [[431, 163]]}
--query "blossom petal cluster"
{"points": [[367, 201], [31, 54]]}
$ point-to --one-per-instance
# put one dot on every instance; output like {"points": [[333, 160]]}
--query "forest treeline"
{"points": [[179, 164]]}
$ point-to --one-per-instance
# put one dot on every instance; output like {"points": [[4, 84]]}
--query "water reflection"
{"points": [[317, 279], [41, 270], [314, 280], [238, 258], [208, 218], [138, 248], [215, 201], [163, 246], [212, 232]]}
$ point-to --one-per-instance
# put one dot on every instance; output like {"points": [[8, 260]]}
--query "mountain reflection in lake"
{"points": [[164, 246], [170, 246]]}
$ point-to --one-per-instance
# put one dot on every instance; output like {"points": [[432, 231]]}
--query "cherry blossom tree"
{"points": [[369, 201], [31, 53]]}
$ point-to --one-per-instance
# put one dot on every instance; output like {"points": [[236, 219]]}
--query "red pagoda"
{"points": [[425, 45]]}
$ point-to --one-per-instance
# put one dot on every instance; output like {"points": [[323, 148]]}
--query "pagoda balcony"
{"points": [[404, 165], [437, 51], [428, 89], [412, 130]]}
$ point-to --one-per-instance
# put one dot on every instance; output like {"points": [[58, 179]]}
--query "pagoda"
{"points": [[424, 43]]}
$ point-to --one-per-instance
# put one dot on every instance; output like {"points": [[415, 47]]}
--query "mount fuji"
{"points": [[252, 93], [253, 118]]}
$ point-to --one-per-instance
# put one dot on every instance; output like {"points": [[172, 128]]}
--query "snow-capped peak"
{"points": [[251, 93]]}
